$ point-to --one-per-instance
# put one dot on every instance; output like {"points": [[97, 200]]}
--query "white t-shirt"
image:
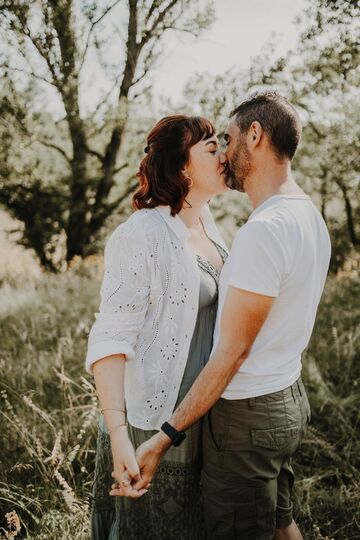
{"points": [[282, 251]]}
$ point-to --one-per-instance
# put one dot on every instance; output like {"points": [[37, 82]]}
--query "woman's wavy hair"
{"points": [[161, 180]]}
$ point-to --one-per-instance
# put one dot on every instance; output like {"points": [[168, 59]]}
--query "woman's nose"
{"points": [[222, 157]]}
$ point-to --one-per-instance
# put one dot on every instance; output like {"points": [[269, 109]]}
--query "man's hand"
{"points": [[149, 455]]}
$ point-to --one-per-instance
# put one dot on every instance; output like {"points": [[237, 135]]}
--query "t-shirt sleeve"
{"points": [[257, 260]]}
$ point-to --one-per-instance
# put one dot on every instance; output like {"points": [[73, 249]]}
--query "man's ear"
{"points": [[254, 134]]}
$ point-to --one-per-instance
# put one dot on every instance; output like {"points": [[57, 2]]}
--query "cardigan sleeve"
{"points": [[124, 296]]}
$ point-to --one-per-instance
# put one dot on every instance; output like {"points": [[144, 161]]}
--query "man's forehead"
{"points": [[232, 128]]}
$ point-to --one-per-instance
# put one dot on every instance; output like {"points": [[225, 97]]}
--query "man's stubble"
{"points": [[239, 165]]}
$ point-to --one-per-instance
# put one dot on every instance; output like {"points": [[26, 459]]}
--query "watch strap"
{"points": [[176, 436]]}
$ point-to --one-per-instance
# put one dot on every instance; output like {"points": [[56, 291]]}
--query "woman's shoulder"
{"points": [[145, 217], [143, 225]]}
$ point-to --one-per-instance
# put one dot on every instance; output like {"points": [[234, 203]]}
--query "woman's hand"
{"points": [[126, 469]]}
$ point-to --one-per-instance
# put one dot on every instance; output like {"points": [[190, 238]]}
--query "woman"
{"points": [[153, 334]]}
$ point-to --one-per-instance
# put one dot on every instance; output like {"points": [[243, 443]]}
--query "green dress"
{"points": [[172, 507]]}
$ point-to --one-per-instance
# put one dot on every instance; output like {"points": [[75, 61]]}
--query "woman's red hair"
{"points": [[161, 180]]}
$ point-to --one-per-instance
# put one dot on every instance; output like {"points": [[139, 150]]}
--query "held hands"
{"points": [[134, 481], [126, 469], [148, 456]]}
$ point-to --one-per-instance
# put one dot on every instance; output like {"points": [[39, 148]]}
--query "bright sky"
{"points": [[241, 30]]}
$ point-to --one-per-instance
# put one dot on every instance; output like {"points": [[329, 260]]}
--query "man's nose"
{"points": [[222, 157]]}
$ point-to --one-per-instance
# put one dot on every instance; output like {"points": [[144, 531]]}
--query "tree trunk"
{"points": [[112, 149], [349, 214], [76, 230], [323, 194]]}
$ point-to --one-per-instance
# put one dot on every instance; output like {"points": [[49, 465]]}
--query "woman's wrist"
{"points": [[121, 428], [115, 420], [119, 436], [113, 415]]}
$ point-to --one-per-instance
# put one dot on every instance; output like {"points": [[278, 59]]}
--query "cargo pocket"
{"points": [[305, 415], [275, 438], [305, 405], [218, 428]]}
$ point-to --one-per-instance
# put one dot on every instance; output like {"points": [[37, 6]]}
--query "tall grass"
{"points": [[49, 410], [328, 464]]}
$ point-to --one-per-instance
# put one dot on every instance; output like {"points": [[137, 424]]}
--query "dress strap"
{"points": [[208, 267], [223, 253]]}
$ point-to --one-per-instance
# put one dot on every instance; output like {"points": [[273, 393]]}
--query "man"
{"points": [[269, 292]]}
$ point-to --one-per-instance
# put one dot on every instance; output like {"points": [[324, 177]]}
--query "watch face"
{"points": [[179, 438]]}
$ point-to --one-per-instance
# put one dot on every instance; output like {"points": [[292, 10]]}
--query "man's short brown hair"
{"points": [[277, 117]]}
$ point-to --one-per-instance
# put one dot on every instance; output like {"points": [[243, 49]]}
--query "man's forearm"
{"points": [[205, 391], [208, 387], [242, 317]]}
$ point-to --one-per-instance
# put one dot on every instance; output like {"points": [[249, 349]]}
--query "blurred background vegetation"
{"points": [[66, 180]]}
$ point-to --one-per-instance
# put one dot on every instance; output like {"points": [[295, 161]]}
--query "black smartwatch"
{"points": [[176, 436]]}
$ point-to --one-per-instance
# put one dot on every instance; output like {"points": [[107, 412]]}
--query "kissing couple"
{"points": [[196, 350]]}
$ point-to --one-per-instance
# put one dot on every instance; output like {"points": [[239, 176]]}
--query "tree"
{"points": [[321, 78], [48, 43], [330, 47]]}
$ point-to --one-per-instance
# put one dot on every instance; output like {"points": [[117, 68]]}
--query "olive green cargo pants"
{"points": [[247, 475]]}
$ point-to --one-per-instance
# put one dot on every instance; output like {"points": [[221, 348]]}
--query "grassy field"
{"points": [[49, 410]]}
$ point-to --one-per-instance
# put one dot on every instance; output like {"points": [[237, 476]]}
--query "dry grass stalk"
{"points": [[29, 402], [89, 420], [318, 534], [68, 494], [13, 417], [21, 467], [56, 457], [13, 524]]}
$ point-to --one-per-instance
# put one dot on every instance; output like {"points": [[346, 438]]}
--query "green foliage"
{"points": [[49, 412], [46, 46], [336, 20], [65, 179], [33, 181], [41, 210], [321, 78]]}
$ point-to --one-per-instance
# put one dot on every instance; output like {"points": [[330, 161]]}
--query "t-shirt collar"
{"points": [[271, 200]]}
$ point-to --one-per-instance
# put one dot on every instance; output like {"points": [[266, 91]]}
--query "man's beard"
{"points": [[239, 166]]}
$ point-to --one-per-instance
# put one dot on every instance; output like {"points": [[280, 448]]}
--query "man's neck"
{"points": [[274, 178]]}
